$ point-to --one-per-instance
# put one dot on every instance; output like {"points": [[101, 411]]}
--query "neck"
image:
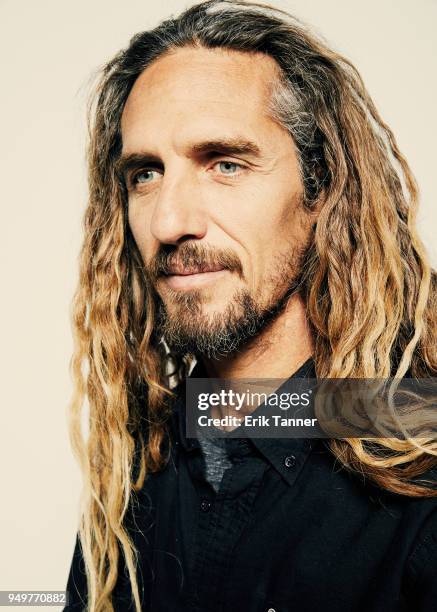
{"points": [[276, 352]]}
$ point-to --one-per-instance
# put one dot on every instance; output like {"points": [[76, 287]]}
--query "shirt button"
{"points": [[205, 505], [271, 610], [290, 461]]}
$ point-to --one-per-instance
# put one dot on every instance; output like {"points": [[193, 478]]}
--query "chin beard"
{"points": [[214, 337]]}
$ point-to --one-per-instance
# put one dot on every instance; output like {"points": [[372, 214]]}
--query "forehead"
{"points": [[193, 91]]}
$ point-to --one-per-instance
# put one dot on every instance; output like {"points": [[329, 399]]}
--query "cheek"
{"points": [[140, 229], [288, 220], [276, 229], [269, 216]]}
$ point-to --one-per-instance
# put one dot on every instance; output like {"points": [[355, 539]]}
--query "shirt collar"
{"points": [[286, 455]]}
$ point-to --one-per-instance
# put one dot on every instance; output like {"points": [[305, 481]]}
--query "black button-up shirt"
{"points": [[288, 530]]}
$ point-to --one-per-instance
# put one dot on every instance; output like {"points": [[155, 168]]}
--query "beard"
{"points": [[186, 329]]}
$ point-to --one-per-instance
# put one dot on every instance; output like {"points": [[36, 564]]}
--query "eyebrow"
{"points": [[220, 146], [229, 146]]}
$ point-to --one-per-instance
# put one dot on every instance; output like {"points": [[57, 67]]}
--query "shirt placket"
{"points": [[221, 520]]}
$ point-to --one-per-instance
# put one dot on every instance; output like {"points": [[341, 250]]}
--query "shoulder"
{"points": [[77, 582], [421, 569]]}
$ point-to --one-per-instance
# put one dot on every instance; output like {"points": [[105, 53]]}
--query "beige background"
{"points": [[49, 49]]}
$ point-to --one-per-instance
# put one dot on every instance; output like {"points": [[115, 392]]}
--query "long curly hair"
{"points": [[369, 290]]}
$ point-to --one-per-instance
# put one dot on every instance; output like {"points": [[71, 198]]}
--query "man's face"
{"points": [[214, 196]]}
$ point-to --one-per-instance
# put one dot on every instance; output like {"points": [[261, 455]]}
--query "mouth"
{"points": [[189, 278]]}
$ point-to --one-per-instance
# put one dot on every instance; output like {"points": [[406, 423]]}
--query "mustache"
{"points": [[192, 256]]}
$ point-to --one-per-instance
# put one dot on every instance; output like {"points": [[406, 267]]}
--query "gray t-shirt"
{"points": [[216, 459]]}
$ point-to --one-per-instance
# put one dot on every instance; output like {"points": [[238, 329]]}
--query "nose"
{"points": [[178, 213]]}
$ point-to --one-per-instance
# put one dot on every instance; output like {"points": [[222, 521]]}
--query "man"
{"points": [[250, 214]]}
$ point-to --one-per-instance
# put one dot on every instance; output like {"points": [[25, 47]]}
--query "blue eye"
{"points": [[145, 176], [227, 167]]}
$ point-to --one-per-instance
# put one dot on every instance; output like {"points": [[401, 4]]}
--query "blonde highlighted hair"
{"points": [[369, 288]]}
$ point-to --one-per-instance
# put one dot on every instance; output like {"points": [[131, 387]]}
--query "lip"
{"points": [[190, 280], [185, 271]]}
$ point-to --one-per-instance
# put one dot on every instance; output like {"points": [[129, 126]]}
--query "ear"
{"points": [[316, 207]]}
